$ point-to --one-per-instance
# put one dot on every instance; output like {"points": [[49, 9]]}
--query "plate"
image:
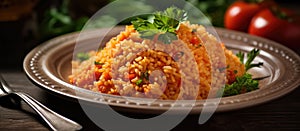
{"points": [[49, 65]]}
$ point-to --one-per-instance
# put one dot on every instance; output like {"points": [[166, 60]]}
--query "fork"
{"points": [[54, 120]]}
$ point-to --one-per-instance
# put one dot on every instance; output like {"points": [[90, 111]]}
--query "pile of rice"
{"points": [[131, 66]]}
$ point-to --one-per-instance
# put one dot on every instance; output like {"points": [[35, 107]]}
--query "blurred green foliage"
{"points": [[112, 16], [57, 20], [213, 9]]}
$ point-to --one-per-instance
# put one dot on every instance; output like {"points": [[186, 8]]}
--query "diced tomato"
{"points": [[131, 76], [99, 66], [106, 76], [230, 75], [122, 37], [195, 40], [97, 75], [103, 89]]}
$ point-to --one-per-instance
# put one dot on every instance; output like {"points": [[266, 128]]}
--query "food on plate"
{"points": [[163, 58], [244, 83]]}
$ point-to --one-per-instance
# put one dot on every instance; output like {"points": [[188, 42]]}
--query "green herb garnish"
{"points": [[240, 55], [82, 56], [250, 57], [163, 24], [98, 63], [144, 75], [242, 84], [138, 82]]}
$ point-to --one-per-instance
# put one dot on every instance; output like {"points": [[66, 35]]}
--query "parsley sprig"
{"points": [[250, 57], [163, 23], [244, 83]]}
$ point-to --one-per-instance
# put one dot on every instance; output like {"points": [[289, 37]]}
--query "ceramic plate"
{"points": [[49, 65]]}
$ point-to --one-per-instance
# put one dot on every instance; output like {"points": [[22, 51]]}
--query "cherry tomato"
{"points": [[267, 23], [238, 16]]}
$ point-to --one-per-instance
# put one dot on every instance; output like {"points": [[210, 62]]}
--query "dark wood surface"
{"points": [[279, 114]]}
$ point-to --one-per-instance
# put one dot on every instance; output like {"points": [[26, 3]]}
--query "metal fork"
{"points": [[55, 121]]}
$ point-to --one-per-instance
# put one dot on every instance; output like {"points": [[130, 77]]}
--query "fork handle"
{"points": [[53, 119]]}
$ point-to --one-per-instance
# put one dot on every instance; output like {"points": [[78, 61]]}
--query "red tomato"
{"points": [[285, 31], [131, 76], [195, 40], [240, 13]]}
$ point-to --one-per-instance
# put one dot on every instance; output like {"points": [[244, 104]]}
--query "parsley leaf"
{"points": [[163, 24], [138, 82], [82, 56], [240, 55], [98, 63], [250, 57], [242, 84], [145, 28]]}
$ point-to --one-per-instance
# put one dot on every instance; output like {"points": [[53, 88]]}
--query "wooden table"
{"points": [[279, 114]]}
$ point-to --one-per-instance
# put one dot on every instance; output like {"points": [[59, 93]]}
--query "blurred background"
{"points": [[25, 24]]}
